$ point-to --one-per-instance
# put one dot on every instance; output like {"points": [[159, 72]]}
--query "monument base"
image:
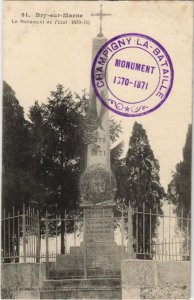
{"points": [[104, 256], [98, 253], [108, 263]]}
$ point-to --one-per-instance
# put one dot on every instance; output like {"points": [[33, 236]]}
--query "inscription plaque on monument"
{"points": [[99, 225]]}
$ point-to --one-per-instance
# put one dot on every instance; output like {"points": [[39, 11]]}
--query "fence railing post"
{"points": [[18, 238], [137, 232], [13, 234], [85, 248], [24, 233], [187, 238], [169, 233], [150, 234], [47, 241], [4, 235], [65, 232], [130, 232], [144, 255], [181, 249], [163, 238], [122, 233], [56, 235], [38, 239]]}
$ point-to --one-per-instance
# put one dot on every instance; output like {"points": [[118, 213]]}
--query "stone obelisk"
{"points": [[99, 151], [97, 183]]}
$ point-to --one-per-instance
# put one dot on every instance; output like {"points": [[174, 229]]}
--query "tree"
{"points": [[179, 189], [179, 192], [17, 172], [56, 132], [16, 154], [142, 184]]}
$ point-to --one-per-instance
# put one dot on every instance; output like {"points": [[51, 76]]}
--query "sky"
{"points": [[36, 57]]}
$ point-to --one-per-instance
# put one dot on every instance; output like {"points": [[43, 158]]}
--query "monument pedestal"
{"points": [[102, 253], [98, 253]]}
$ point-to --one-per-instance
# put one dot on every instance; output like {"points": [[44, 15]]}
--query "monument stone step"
{"points": [[81, 283], [113, 294], [93, 288], [70, 274]]}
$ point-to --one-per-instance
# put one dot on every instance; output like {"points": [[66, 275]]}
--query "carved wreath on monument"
{"points": [[97, 185]]}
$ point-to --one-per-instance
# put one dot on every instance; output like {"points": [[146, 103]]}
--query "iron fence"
{"points": [[161, 236], [20, 236], [148, 234]]}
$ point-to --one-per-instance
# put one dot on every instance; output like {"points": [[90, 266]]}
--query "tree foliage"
{"points": [[179, 189], [56, 134], [17, 171], [16, 155], [142, 182], [142, 170], [57, 148]]}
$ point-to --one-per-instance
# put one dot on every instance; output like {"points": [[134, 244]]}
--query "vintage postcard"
{"points": [[96, 152]]}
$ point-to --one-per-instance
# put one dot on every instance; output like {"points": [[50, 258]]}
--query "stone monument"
{"points": [[98, 254], [97, 183]]}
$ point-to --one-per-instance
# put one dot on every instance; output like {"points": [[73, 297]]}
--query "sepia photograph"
{"points": [[96, 149]]}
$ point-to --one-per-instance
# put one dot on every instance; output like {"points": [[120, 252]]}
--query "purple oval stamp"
{"points": [[136, 71]]}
